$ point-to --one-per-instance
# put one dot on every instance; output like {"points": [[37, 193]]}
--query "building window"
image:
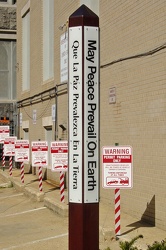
{"points": [[8, 1], [26, 52], [7, 70], [48, 39]]}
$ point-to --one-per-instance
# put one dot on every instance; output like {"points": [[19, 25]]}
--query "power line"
{"points": [[149, 53]]}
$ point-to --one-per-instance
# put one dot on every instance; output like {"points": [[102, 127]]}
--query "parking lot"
{"points": [[25, 224], [34, 220]]}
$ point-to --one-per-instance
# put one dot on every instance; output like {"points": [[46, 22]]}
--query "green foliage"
{"points": [[158, 245], [129, 245]]}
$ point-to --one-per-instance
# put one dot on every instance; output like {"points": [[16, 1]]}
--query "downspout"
{"points": [[56, 114], [56, 109]]}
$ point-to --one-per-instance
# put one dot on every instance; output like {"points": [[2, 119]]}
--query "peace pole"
{"points": [[84, 130]]}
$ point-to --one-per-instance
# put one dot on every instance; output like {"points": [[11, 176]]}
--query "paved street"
{"points": [[25, 224]]}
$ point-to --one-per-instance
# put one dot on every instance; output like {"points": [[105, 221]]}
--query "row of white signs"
{"points": [[117, 161], [20, 149]]}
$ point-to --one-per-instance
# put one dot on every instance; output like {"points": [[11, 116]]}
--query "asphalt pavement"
{"points": [[47, 205]]}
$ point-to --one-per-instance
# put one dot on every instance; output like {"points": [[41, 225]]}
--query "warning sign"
{"points": [[39, 153], [22, 151], [4, 132], [117, 167], [59, 155], [9, 146]]}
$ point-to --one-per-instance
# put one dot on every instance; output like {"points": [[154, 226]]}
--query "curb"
{"points": [[33, 194], [18, 186], [61, 209], [6, 185], [106, 234], [57, 207]]}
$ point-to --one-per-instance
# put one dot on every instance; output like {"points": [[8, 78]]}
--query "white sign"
{"points": [[75, 114], [4, 132], [34, 116], [112, 95], [20, 119], [64, 57], [9, 146], [53, 112], [91, 114], [39, 153], [59, 155], [117, 167], [22, 150]]}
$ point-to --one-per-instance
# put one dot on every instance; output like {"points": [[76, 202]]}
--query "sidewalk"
{"points": [[130, 227]]}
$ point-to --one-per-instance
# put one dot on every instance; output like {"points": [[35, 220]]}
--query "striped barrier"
{"points": [[117, 211], [22, 172], [3, 158], [62, 186], [10, 166], [40, 180]]}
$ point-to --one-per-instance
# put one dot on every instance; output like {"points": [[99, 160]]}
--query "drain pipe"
{"points": [[56, 115], [56, 108]]}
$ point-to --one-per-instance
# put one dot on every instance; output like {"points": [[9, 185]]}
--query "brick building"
{"points": [[132, 59]]}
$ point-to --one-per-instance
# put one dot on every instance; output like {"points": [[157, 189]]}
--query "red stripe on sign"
{"points": [[117, 159], [59, 151]]}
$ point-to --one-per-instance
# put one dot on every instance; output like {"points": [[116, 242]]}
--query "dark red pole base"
{"points": [[84, 226]]}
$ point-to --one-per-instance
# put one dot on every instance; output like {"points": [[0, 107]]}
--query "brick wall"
{"points": [[62, 11], [130, 28]]}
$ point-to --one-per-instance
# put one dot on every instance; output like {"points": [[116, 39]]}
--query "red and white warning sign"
{"points": [[117, 167], [59, 155], [22, 150], [39, 153], [4, 132], [9, 146]]}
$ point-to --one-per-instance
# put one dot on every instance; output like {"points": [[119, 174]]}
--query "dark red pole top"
{"points": [[83, 16]]}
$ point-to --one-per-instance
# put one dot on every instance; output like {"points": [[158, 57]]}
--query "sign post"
{"points": [[83, 130], [4, 132], [22, 154], [39, 151], [59, 162], [9, 150]]}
